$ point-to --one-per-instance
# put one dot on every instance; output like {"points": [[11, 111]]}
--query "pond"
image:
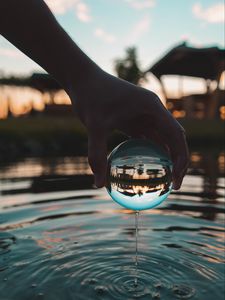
{"points": [[62, 239]]}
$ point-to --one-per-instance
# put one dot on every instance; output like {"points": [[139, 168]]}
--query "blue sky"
{"points": [[104, 28]]}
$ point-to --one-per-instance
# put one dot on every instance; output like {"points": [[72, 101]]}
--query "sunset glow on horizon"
{"points": [[20, 100]]}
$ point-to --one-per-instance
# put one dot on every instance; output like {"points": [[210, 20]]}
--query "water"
{"points": [[58, 241], [139, 175]]}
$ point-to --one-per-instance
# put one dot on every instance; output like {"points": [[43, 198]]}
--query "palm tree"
{"points": [[128, 68]]}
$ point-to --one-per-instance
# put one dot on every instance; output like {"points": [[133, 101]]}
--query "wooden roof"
{"points": [[207, 63]]}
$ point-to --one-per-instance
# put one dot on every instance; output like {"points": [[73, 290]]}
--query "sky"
{"points": [[105, 28]]}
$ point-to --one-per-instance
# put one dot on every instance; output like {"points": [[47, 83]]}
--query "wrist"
{"points": [[80, 78]]}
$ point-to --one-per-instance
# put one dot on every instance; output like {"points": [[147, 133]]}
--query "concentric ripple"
{"points": [[89, 257], [81, 245]]}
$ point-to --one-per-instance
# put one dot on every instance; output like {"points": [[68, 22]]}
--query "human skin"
{"points": [[101, 101]]}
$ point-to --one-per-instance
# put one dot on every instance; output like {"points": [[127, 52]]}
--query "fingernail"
{"points": [[175, 186]]}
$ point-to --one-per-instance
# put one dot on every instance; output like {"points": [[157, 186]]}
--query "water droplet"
{"points": [[158, 285], [156, 296], [139, 174], [93, 281], [132, 287], [101, 290], [183, 291]]}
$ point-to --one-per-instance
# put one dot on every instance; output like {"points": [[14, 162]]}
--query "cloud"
{"points": [[82, 11], [10, 53], [141, 4], [106, 37], [211, 14], [60, 7], [139, 29]]}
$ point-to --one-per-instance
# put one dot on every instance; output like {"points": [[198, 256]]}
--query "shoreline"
{"points": [[50, 136]]}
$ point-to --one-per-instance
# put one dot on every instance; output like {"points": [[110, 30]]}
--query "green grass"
{"points": [[41, 125], [41, 137], [46, 136], [204, 131]]}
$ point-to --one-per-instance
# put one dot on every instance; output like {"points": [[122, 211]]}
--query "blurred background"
{"points": [[177, 51], [62, 239]]}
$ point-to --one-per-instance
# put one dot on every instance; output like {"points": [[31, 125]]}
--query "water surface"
{"points": [[62, 239]]}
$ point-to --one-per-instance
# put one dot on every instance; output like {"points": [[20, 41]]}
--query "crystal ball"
{"points": [[139, 174]]}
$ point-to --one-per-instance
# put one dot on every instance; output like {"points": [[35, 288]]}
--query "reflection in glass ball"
{"points": [[139, 174]]}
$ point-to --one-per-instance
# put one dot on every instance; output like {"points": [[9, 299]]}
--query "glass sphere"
{"points": [[139, 174]]}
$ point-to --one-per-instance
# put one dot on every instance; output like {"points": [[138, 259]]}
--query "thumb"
{"points": [[97, 155]]}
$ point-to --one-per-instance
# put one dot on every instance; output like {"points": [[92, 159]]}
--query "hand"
{"points": [[104, 102]]}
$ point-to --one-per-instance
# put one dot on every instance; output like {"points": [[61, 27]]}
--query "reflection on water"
{"points": [[34, 167], [62, 239], [205, 177], [210, 166]]}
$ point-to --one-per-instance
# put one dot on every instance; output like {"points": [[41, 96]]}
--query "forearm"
{"points": [[31, 27]]}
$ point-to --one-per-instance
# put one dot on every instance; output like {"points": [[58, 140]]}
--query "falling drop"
{"points": [[136, 250]]}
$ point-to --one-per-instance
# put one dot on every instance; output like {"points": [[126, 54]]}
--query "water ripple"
{"points": [[84, 249], [61, 264]]}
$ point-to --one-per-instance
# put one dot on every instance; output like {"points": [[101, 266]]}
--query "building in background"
{"points": [[205, 63], [182, 60]]}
